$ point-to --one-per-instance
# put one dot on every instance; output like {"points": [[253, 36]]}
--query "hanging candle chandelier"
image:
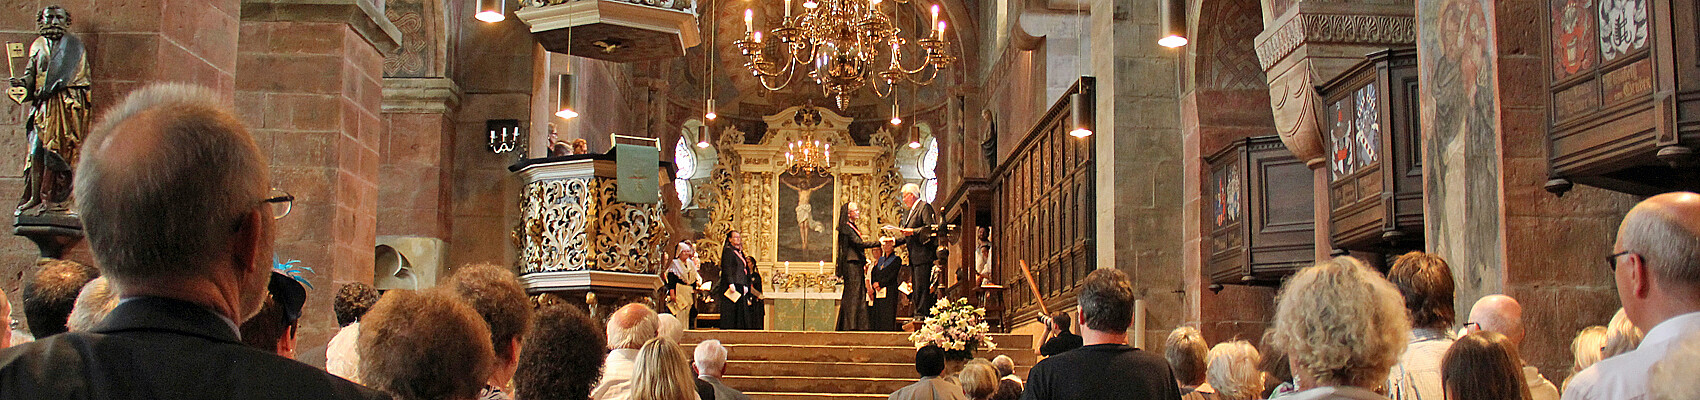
{"points": [[841, 44]]}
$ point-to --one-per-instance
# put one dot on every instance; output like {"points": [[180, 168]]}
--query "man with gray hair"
{"points": [[176, 209], [1500, 313], [917, 229], [711, 365], [1656, 265], [628, 329]]}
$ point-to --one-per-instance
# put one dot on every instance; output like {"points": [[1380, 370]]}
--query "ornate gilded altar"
{"points": [[745, 193], [575, 239]]}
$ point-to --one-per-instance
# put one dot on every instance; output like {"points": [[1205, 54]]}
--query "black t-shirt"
{"points": [[1102, 371], [1061, 343]]}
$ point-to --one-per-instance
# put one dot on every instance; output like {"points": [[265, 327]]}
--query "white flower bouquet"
{"points": [[957, 327]]}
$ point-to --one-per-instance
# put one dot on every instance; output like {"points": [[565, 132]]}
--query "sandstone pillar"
{"points": [[309, 85]]}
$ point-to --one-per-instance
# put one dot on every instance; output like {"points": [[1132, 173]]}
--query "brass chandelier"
{"points": [[844, 40], [808, 157]]}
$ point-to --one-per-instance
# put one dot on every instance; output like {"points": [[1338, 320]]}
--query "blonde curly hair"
{"points": [[1342, 323], [1233, 370]]}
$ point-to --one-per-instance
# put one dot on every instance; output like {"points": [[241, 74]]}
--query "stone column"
{"points": [[415, 157], [1138, 144], [309, 86], [130, 44]]}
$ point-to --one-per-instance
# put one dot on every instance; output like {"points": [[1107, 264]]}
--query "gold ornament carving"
{"points": [[575, 224]]}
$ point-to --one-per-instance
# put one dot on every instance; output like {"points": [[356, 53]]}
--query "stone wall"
{"points": [[311, 93], [129, 44]]}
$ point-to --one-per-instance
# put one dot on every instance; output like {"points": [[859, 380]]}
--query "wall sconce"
{"points": [[492, 11], [702, 137], [505, 135], [1081, 110], [564, 97], [1174, 23]]}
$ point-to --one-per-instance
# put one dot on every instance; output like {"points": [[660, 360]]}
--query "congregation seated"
{"points": [[50, 293], [1185, 351], [1343, 328], [1105, 367], [979, 379], [710, 361], [1425, 283], [352, 302], [628, 329], [1502, 314], [1656, 266], [93, 304], [1232, 371], [929, 362], [1009, 385], [427, 345], [563, 355], [499, 298], [172, 192], [1483, 366]]}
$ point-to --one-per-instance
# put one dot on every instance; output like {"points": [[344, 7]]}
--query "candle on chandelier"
{"points": [[757, 35], [787, 8], [935, 14], [749, 20], [941, 30]]}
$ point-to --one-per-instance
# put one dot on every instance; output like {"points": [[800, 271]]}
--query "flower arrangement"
{"points": [[957, 327]]}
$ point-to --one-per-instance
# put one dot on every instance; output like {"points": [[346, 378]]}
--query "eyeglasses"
{"points": [[1611, 260], [1472, 327], [279, 201]]}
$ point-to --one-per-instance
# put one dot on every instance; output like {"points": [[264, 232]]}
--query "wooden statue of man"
{"points": [[57, 80]]}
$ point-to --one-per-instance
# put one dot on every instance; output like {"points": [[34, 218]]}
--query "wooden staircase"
{"points": [[785, 365]]}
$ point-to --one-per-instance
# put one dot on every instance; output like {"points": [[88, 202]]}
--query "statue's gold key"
{"points": [[15, 50]]}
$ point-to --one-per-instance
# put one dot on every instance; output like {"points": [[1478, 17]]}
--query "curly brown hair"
{"points": [[1426, 283], [425, 346], [562, 357], [353, 301], [499, 298], [51, 292]]}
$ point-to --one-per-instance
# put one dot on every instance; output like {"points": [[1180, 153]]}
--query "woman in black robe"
{"points": [[755, 313], [734, 277], [852, 264], [887, 274]]}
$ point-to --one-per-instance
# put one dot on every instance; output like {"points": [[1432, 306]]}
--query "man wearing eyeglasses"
{"points": [[1656, 265], [175, 205]]}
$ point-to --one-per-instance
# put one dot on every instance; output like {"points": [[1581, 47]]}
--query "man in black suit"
{"points": [[917, 227], [175, 204], [1106, 368]]}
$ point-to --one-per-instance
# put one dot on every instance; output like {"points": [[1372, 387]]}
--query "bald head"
{"points": [[1499, 313], [1657, 258], [631, 326], [163, 178]]}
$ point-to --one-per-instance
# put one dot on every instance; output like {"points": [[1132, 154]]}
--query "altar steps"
{"points": [[785, 365]]}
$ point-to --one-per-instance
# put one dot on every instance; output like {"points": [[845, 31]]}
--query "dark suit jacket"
{"points": [[923, 246], [734, 270], [851, 248], [159, 348]]}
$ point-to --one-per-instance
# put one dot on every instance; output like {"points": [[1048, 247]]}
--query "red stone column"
{"points": [[130, 43], [309, 86]]}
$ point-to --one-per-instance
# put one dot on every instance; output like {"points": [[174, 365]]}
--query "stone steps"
{"points": [[786, 365]]}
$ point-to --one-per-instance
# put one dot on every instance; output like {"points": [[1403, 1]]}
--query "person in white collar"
{"points": [[628, 329], [1501, 314], [1656, 265]]}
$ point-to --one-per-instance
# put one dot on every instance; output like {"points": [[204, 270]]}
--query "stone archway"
{"points": [[1224, 98]]}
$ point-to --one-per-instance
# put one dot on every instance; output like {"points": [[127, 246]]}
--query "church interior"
{"points": [[1209, 149]]}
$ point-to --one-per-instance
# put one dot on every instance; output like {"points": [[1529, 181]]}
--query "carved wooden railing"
{"points": [[1043, 201]]}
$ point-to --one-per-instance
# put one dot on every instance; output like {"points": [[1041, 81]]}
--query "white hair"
{"points": [[1233, 370], [910, 188], [184, 173], [1006, 365], [1622, 336], [711, 358], [669, 327], [631, 326], [1670, 251], [97, 299]]}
